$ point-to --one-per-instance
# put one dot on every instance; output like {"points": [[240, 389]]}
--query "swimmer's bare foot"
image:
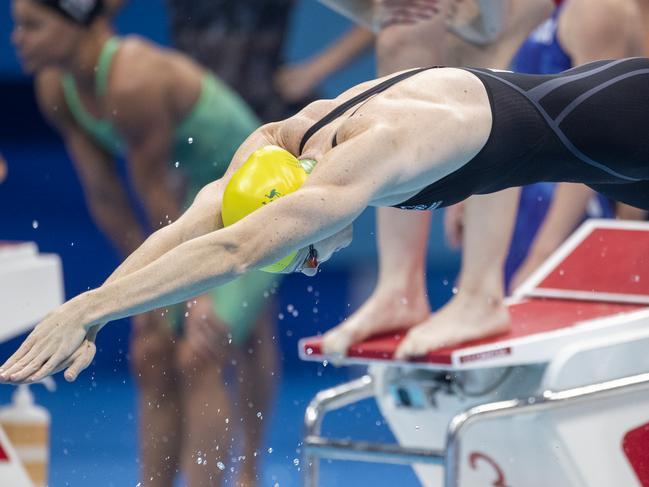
{"points": [[386, 310], [466, 317]]}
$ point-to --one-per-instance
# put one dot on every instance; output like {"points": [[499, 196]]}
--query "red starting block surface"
{"points": [[597, 282]]}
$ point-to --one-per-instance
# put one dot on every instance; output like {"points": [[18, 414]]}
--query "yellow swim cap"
{"points": [[269, 173]]}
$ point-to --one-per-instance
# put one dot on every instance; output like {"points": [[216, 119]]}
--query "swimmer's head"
{"points": [[268, 174], [48, 32]]}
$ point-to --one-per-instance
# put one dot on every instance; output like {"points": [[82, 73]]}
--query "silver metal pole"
{"points": [[325, 401], [363, 451]]}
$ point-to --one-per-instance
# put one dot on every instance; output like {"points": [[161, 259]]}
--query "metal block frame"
{"points": [[317, 446]]}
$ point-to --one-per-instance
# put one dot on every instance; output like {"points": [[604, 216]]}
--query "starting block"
{"points": [[31, 285], [562, 399]]}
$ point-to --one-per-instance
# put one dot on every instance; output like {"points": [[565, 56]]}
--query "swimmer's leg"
{"points": [[400, 299], [207, 416], [478, 309], [152, 344], [257, 369]]}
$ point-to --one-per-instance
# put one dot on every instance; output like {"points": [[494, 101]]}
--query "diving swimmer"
{"points": [[420, 139]]}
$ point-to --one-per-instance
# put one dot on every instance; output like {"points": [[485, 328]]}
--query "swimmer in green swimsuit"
{"points": [[170, 120]]}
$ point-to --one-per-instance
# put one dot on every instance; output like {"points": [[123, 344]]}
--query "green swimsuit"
{"points": [[204, 143]]}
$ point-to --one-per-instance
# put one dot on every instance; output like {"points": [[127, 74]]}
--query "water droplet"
{"points": [[270, 450], [220, 465], [280, 316], [35, 224], [309, 289], [454, 290], [404, 300], [296, 462], [227, 420], [445, 282], [190, 140], [177, 164], [561, 272], [417, 427], [199, 460], [290, 308], [325, 363], [295, 313], [636, 278], [309, 351], [315, 311], [186, 314]]}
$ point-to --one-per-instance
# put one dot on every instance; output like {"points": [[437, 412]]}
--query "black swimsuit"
{"points": [[589, 124]]}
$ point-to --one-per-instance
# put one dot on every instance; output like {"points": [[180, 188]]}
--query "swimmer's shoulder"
{"points": [[136, 68], [144, 74]]}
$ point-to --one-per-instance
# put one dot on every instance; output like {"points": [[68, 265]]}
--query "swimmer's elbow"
{"points": [[239, 254]]}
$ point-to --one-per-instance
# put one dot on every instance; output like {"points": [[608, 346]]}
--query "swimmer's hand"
{"points": [[60, 341], [206, 333]]}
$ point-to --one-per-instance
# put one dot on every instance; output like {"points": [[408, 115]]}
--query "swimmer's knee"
{"points": [[190, 365], [150, 355]]}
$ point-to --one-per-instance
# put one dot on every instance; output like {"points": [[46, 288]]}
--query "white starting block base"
{"points": [[562, 400], [31, 285]]}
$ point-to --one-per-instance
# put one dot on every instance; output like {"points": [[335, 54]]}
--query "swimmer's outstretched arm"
{"points": [[335, 194], [202, 217]]}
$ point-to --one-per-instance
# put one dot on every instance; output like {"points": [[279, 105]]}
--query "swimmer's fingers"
{"points": [[31, 363], [80, 360], [56, 350], [23, 350], [76, 363]]}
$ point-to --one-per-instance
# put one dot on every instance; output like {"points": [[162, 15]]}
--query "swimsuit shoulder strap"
{"points": [[103, 65], [343, 107]]}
